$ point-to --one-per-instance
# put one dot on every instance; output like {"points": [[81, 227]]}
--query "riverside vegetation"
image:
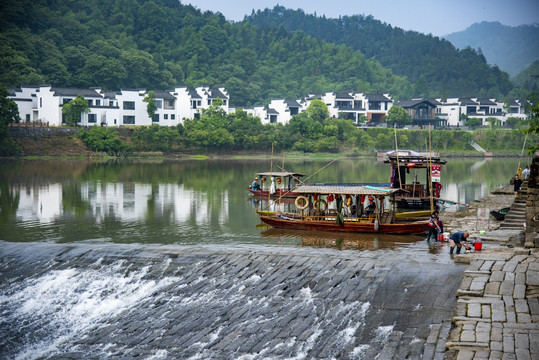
{"points": [[240, 132]]}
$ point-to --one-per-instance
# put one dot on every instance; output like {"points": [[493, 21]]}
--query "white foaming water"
{"points": [[67, 303]]}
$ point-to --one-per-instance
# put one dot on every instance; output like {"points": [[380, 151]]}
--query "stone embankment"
{"points": [[497, 311]]}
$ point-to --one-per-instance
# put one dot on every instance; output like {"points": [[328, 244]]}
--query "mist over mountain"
{"points": [[512, 49]]}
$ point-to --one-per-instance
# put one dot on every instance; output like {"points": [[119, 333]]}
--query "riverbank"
{"points": [[72, 146], [497, 310]]}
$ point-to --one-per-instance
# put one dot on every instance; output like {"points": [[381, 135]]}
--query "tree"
{"points": [[534, 126], [151, 108], [74, 109], [317, 110], [515, 122], [493, 122], [9, 112], [473, 122], [398, 115]]}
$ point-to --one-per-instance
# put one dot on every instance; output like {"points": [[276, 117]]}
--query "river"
{"points": [[167, 259]]}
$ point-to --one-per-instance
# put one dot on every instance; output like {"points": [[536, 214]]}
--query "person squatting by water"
{"points": [[517, 183], [458, 239], [433, 226]]}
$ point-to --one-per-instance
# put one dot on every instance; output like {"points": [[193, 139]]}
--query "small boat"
{"points": [[359, 209], [500, 214], [284, 184], [408, 168]]}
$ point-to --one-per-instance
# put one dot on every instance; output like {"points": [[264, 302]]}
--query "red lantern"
{"points": [[410, 165], [362, 198], [279, 180], [371, 198]]}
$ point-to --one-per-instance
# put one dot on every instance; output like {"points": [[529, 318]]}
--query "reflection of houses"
{"points": [[422, 112]]}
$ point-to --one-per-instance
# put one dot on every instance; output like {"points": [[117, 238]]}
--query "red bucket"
{"points": [[478, 246], [440, 237]]}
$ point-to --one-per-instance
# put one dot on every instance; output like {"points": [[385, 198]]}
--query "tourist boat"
{"points": [[346, 208], [416, 192], [284, 184]]}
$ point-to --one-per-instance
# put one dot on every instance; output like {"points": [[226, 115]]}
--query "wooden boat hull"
{"points": [[410, 214], [265, 193], [418, 227]]}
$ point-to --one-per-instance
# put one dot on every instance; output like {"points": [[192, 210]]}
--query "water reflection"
{"points": [[187, 202], [341, 241]]}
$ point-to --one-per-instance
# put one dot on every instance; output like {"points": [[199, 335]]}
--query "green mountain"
{"points": [[511, 48], [434, 65], [159, 44], [529, 78]]}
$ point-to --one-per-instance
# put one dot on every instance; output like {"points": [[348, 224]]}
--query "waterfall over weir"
{"points": [[100, 300]]}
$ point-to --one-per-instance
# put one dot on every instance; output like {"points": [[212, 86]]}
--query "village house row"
{"points": [[126, 107]]}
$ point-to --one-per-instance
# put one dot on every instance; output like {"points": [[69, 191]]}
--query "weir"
{"points": [[200, 302]]}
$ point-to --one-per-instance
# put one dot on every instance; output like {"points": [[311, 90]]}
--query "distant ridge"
{"points": [[512, 49]]}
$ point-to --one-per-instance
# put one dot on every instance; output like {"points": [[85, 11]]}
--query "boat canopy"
{"points": [[280, 174], [413, 157], [345, 190]]}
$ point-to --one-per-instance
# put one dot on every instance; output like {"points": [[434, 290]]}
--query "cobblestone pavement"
{"points": [[207, 303], [497, 311]]}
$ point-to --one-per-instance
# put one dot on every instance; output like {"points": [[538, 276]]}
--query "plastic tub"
{"points": [[446, 236], [478, 246]]}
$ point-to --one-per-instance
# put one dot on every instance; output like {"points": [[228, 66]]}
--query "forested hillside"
{"points": [[434, 65], [511, 48], [157, 44], [529, 78]]}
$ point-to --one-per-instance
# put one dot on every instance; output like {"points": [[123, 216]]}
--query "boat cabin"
{"points": [[276, 184], [417, 174]]}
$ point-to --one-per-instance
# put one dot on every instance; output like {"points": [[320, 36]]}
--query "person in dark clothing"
{"points": [[459, 239], [517, 184], [433, 226], [255, 185]]}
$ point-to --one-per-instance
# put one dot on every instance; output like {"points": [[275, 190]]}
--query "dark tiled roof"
{"points": [[272, 111], [111, 94], [166, 95], [343, 96], [292, 103], [314, 96], [376, 97], [194, 95], [434, 101], [414, 103], [75, 92], [215, 93], [486, 102], [464, 101]]}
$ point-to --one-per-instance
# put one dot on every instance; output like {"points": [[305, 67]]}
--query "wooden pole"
{"points": [[397, 150], [522, 152], [430, 175]]}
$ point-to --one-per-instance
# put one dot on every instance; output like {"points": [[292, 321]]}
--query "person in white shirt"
{"points": [[526, 173]]}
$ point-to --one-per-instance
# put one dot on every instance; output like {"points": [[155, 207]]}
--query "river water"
{"points": [[75, 237]]}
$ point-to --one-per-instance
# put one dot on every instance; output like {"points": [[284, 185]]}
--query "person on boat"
{"points": [[433, 226], [526, 173], [255, 185], [458, 239], [517, 183]]}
